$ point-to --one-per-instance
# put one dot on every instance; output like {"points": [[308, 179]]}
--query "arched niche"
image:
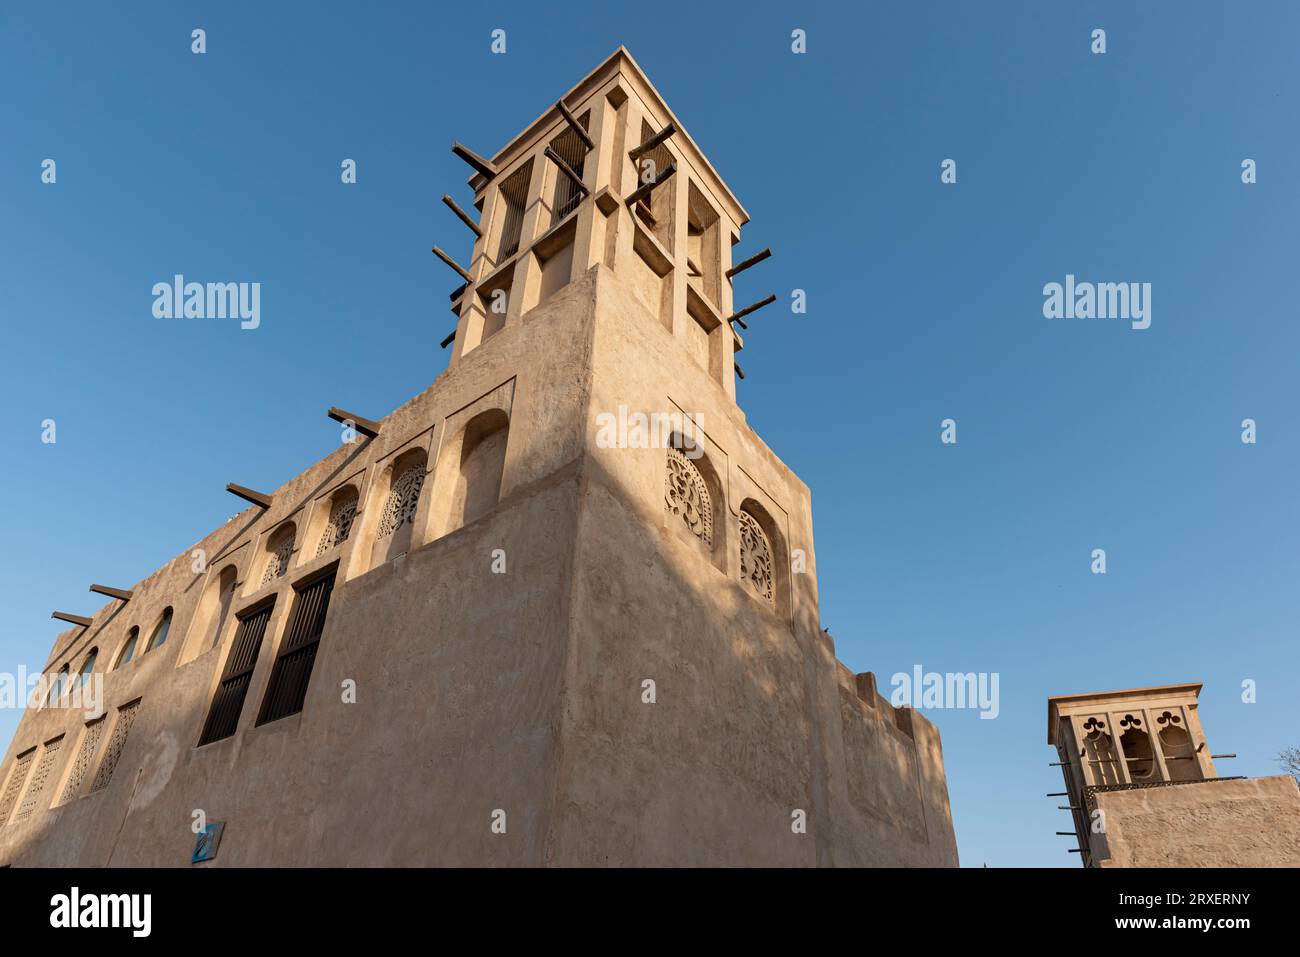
{"points": [[694, 503], [471, 467], [397, 495], [764, 556], [279, 553]]}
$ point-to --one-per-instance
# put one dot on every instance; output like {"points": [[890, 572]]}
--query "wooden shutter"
{"points": [[292, 672], [223, 718]]}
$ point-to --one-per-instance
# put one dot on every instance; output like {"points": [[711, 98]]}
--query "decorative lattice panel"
{"points": [[278, 563], [755, 557], [86, 754], [402, 501], [125, 718], [16, 781], [339, 526], [42, 774], [686, 495]]}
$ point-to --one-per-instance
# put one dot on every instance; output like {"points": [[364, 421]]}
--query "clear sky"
{"points": [[925, 302]]}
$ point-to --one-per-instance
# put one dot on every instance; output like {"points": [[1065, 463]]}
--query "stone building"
{"points": [[1143, 791], [558, 609]]}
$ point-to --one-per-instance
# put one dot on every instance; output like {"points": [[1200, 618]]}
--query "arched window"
{"points": [[88, 667], [1099, 751], [1176, 746], [128, 649], [160, 630], [686, 495], [343, 509], [56, 689], [397, 520], [1137, 749], [756, 557], [279, 548]]}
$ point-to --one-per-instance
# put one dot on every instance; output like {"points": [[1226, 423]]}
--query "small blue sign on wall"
{"points": [[205, 848]]}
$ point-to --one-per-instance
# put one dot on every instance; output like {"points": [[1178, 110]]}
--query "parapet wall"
{"points": [[1222, 822]]}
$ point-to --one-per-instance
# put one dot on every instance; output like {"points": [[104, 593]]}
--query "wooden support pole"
{"points": [[646, 188], [365, 426], [473, 159], [459, 291], [449, 340], [638, 151], [567, 170], [451, 262], [575, 125], [739, 371], [751, 261], [248, 495], [464, 216], [737, 316], [118, 593], [72, 619]]}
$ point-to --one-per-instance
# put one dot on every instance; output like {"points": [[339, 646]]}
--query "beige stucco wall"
{"points": [[520, 691], [1247, 822]]}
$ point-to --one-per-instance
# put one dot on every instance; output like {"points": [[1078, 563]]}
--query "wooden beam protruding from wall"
{"points": [[654, 141], [451, 262], [737, 316], [365, 426], [645, 189], [567, 170], [248, 495], [753, 260], [473, 159], [72, 619], [574, 125], [120, 594], [464, 216]]}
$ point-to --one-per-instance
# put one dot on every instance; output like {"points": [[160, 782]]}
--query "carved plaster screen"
{"points": [[402, 500], [756, 557], [339, 525], [687, 496]]}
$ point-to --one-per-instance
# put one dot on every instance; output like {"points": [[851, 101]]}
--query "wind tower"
{"points": [[1143, 790]]}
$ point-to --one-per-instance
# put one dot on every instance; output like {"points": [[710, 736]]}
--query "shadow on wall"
{"points": [[713, 644]]}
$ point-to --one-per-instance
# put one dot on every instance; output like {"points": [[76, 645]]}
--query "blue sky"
{"points": [[925, 302]]}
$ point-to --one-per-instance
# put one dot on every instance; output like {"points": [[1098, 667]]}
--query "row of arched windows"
{"points": [[469, 488], [157, 638]]}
